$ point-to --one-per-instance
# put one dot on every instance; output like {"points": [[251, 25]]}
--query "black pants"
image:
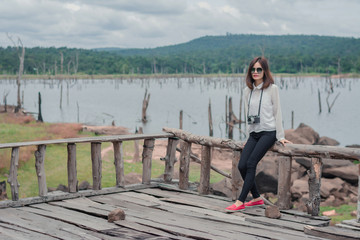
{"points": [[255, 148]]}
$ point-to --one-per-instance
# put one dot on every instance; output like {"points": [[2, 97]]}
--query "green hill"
{"points": [[210, 54]]}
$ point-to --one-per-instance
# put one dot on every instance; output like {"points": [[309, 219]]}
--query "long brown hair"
{"points": [[268, 79]]}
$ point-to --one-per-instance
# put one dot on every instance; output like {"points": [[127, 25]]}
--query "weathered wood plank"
{"points": [[79, 219], [184, 165], [13, 232], [88, 139], [170, 159], [71, 168], [12, 180], [204, 186], [284, 182], [96, 165], [331, 232], [147, 160], [313, 205], [58, 195], [40, 169], [119, 164]]}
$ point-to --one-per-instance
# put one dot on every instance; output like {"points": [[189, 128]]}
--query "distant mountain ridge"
{"points": [[230, 53]]}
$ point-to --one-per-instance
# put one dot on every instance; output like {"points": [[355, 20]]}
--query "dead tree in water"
{"points": [[21, 54], [211, 131], [40, 118], [232, 119], [145, 106]]}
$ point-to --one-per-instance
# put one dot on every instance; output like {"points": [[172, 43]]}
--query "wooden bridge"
{"points": [[165, 208]]}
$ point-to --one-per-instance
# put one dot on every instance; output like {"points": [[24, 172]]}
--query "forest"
{"points": [[227, 54]]}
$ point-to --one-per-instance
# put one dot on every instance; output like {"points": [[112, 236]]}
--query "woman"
{"points": [[263, 125]]}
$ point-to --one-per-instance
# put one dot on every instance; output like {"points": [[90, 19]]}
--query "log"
{"points": [[146, 160], [184, 165], [170, 159], [301, 150], [71, 168], [96, 164], [313, 205], [236, 180], [211, 130], [284, 182], [12, 180], [40, 169], [204, 185], [119, 164]]}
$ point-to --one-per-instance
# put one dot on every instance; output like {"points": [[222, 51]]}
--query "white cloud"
{"points": [[144, 23]]}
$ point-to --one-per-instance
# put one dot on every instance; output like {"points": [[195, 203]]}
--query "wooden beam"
{"points": [[184, 165], [236, 180], [313, 205], [147, 159], [71, 168], [96, 164], [88, 139], [315, 151], [119, 164], [12, 180], [358, 204], [40, 169], [284, 182], [170, 159], [204, 186]]}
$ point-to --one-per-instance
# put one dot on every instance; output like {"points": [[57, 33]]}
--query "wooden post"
{"points": [[146, 160], [119, 164], [40, 169], [170, 159], [313, 205], [184, 165], [12, 180], [96, 164], [204, 186], [71, 167], [236, 180], [181, 119], [284, 182], [211, 131], [358, 205]]}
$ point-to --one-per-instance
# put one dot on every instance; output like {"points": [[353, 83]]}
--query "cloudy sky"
{"points": [[152, 23]]}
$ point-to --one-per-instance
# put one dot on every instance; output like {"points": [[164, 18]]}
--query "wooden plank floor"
{"points": [[156, 213]]}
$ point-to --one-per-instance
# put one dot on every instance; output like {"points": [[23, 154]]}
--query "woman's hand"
{"points": [[283, 141]]}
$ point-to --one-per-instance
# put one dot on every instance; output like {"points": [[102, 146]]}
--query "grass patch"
{"points": [[343, 212]]}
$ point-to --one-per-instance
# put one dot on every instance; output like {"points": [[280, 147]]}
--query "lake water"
{"points": [[99, 102]]}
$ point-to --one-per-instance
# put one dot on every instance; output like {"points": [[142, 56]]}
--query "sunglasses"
{"points": [[258, 70]]}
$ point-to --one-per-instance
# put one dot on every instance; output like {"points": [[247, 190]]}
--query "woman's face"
{"points": [[257, 72]]}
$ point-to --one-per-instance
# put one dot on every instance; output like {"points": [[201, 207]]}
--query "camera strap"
{"points": [[259, 102]]}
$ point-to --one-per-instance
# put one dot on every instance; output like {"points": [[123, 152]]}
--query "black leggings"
{"points": [[255, 148]]}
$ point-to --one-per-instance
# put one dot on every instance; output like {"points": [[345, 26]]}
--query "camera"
{"points": [[253, 119]]}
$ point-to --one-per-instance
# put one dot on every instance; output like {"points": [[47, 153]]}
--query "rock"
{"points": [[329, 201], [222, 188], [266, 175], [116, 214], [347, 173], [327, 163], [330, 185], [353, 198], [62, 188], [353, 213], [329, 213], [295, 137], [307, 133], [299, 188], [327, 141], [84, 185], [272, 212], [297, 171]]}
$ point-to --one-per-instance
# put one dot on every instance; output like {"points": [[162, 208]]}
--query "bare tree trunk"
{"points": [[61, 63], [211, 131], [145, 106]]}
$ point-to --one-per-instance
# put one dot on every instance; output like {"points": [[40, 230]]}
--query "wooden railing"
{"points": [[284, 154]]}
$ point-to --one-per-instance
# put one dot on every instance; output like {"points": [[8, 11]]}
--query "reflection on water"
{"points": [[100, 102]]}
